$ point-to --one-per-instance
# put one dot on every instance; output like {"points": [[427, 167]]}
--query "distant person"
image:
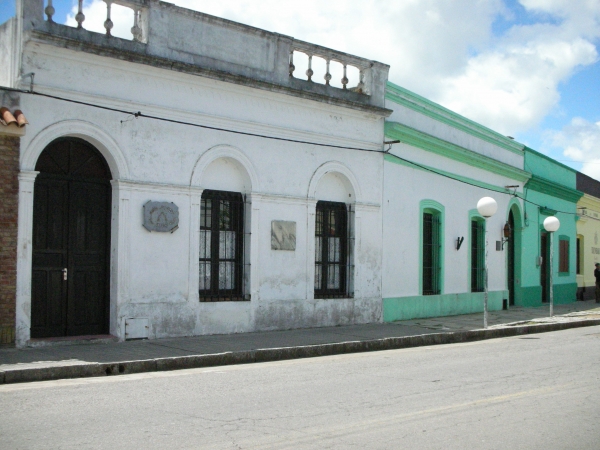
{"points": [[597, 275]]}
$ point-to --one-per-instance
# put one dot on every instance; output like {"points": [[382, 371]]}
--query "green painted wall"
{"points": [[545, 167], [551, 191], [421, 306]]}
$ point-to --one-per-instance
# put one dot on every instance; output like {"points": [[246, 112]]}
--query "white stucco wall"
{"points": [[404, 189], [155, 275]]}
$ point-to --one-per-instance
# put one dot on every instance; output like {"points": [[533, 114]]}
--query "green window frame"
{"points": [[432, 247], [477, 254]]}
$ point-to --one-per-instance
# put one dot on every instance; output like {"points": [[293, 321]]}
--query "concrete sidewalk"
{"points": [[113, 358]]}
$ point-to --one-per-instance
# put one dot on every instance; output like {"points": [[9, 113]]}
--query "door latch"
{"points": [[64, 271]]}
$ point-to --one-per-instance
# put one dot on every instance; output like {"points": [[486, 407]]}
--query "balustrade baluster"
{"points": [[108, 24], [345, 78], [309, 72], [292, 66], [50, 11], [80, 17], [136, 30], [327, 74], [360, 87]]}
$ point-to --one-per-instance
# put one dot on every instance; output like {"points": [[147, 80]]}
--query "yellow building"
{"points": [[588, 235]]}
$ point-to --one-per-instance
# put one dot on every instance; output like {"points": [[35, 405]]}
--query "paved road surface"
{"points": [[531, 392]]}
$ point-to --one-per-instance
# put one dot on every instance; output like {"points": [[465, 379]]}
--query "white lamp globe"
{"points": [[487, 207], [551, 224]]}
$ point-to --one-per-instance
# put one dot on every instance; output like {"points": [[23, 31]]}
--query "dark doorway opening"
{"points": [[544, 266], [71, 241], [511, 260]]}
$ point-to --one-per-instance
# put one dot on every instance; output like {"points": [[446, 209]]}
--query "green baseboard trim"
{"points": [[565, 293], [531, 296], [422, 306]]}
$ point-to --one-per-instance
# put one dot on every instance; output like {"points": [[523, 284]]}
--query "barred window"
{"points": [[563, 256], [431, 253], [221, 246], [477, 255], [331, 250]]}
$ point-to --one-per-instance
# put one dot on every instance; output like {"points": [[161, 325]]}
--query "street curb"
{"points": [[86, 370]]}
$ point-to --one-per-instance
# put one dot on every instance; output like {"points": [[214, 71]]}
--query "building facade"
{"points": [[551, 191], [12, 127], [588, 235], [439, 167], [171, 186], [243, 180]]}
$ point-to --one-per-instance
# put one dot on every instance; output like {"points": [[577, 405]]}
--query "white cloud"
{"points": [[581, 142], [514, 88], [445, 51]]}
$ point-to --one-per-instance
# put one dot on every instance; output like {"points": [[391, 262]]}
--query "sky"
{"points": [[529, 69]]}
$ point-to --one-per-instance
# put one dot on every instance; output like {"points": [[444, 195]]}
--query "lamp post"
{"points": [[487, 207], [551, 224]]}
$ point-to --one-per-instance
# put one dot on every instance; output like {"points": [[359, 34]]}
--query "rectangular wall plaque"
{"points": [[283, 235]]}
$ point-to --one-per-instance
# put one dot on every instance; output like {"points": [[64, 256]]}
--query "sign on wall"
{"points": [[161, 216], [283, 235]]}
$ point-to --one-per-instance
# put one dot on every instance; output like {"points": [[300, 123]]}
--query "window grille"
{"points": [[477, 255], [563, 256], [222, 247], [334, 248], [431, 253]]}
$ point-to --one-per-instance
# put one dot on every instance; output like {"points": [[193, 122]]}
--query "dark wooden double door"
{"points": [[71, 241]]}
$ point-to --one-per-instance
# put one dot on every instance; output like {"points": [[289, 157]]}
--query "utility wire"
{"points": [[180, 122], [515, 194]]}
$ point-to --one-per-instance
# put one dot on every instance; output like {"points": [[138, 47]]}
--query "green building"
{"points": [[551, 191]]}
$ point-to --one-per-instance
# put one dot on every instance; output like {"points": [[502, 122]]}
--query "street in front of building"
{"points": [[536, 391]]}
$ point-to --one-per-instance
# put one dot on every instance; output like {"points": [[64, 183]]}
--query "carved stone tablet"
{"points": [[283, 235], [161, 216]]}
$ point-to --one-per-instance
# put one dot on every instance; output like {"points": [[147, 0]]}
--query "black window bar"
{"points": [[431, 254], [477, 255], [222, 247], [334, 246]]}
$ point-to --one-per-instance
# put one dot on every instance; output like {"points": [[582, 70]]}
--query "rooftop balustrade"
{"points": [[168, 36]]}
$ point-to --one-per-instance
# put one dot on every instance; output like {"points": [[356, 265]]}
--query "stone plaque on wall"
{"points": [[283, 235], [161, 216]]}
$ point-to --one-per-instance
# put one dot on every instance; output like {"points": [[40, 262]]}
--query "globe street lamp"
{"points": [[551, 224], [487, 207]]}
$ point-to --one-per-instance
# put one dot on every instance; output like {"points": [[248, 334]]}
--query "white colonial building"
{"points": [[190, 180]]}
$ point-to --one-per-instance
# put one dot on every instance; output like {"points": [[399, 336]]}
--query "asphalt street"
{"points": [[536, 392]]}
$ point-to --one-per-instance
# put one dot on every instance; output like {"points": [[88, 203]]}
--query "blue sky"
{"points": [[525, 68]]}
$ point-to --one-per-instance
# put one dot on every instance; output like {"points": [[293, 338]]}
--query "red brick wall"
{"points": [[9, 200]]}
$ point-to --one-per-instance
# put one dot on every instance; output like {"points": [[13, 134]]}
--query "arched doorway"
{"points": [[511, 259], [513, 254], [71, 241]]}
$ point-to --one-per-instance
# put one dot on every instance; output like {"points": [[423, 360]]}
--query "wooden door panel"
{"points": [[88, 289], [86, 308], [50, 216], [48, 294], [71, 229]]}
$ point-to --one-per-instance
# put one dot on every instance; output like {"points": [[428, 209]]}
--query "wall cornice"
{"points": [[548, 187], [430, 143], [437, 112], [135, 52]]}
